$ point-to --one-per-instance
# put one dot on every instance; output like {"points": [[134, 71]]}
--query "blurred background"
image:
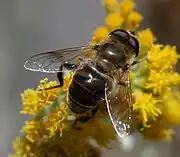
{"points": [[31, 26]]}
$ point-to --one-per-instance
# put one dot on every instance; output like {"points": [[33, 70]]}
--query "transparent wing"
{"points": [[53, 61], [119, 104]]}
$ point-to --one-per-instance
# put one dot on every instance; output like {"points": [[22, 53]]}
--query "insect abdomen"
{"points": [[86, 89]]}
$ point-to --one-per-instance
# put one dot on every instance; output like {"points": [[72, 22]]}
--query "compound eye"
{"points": [[120, 34], [135, 44], [124, 36]]}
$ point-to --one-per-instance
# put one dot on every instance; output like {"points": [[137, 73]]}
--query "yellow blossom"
{"points": [[34, 100], [126, 6], [146, 106], [162, 57], [114, 20], [48, 95], [146, 38], [32, 129], [134, 20], [31, 102], [99, 34], [55, 120], [110, 5], [159, 81], [22, 148], [171, 106]]}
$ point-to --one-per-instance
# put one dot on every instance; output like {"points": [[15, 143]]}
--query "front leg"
{"points": [[60, 77]]}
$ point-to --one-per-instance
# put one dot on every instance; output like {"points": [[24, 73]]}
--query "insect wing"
{"points": [[119, 105], [54, 61]]}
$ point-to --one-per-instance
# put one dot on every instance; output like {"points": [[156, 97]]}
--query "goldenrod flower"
{"points": [[114, 21], [146, 38], [147, 107], [48, 96], [159, 81], [162, 58], [55, 120], [126, 6], [171, 114], [35, 100], [110, 5], [99, 34], [31, 102], [32, 129], [22, 148], [134, 20]]}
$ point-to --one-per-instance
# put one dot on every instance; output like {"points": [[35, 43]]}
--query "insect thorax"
{"points": [[113, 55]]}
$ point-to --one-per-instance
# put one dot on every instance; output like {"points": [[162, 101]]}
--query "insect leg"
{"points": [[60, 77], [60, 74]]}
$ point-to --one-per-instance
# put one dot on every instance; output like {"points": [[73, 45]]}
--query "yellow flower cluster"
{"points": [[32, 129], [110, 4], [35, 100], [148, 107], [161, 85], [55, 120], [119, 15], [154, 87], [146, 38], [22, 148]]}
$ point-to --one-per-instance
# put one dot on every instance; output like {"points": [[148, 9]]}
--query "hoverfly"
{"points": [[105, 77]]}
